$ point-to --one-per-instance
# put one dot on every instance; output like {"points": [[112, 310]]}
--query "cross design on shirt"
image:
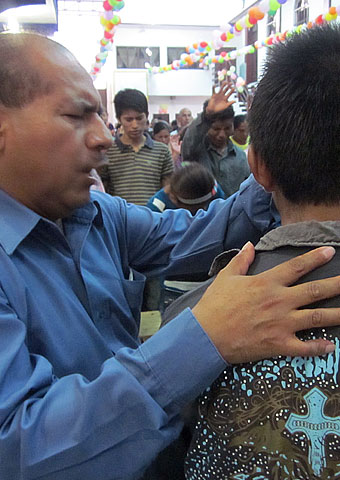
{"points": [[316, 426]]}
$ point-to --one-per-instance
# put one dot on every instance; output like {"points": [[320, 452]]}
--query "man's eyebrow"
{"points": [[85, 106]]}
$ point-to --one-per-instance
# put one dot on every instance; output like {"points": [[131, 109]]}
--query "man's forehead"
{"points": [[132, 113]]}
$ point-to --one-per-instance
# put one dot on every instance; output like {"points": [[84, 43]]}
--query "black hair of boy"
{"points": [[130, 99], [300, 145]]}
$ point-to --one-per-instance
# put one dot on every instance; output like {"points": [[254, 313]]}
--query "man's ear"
{"points": [[260, 170]]}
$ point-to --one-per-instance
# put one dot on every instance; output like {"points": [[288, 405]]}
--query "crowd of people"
{"points": [[242, 380]]}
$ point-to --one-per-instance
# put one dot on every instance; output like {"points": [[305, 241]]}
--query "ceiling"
{"points": [[154, 12], [44, 13]]}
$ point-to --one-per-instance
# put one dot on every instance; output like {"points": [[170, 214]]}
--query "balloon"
{"points": [[107, 6], [274, 5], [264, 6], [108, 14], [232, 69]]}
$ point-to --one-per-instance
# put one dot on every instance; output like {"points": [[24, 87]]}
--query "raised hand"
{"points": [[220, 101], [254, 317]]}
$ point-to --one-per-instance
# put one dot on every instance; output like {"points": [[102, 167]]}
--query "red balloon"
{"points": [[223, 37], [106, 5]]}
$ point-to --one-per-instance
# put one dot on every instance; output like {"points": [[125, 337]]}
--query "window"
{"points": [[273, 23], [301, 12], [174, 53], [137, 57]]}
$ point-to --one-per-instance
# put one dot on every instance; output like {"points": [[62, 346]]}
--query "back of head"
{"points": [[130, 99], [192, 183], [20, 79], [295, 116]]}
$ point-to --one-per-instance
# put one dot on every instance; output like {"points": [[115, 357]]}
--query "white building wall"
{"points": [[80, 32]]}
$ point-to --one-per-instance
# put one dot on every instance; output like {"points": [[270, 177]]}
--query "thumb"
{"points": [[240, 264]]}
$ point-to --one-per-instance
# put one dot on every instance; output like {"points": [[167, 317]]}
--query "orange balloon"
{"points": [[332, 10]]}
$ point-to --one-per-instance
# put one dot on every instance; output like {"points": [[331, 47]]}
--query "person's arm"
{"points": [[167, 167], [195, 134], [109, 428]]}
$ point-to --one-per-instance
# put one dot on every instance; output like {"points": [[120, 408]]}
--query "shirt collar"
{"points": [[17, 221], [302, 234], [123, 146], [230, 148]]}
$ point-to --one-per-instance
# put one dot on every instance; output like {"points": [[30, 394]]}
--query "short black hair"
{"points": [[191, 181], [159, 126], [20, 80], [130, 98], [238, 120], [295, 116], [226, 114]]}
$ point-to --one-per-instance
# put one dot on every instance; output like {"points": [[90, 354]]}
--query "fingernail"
{"points": [[330, 348], [328, 252], [246, 246]]}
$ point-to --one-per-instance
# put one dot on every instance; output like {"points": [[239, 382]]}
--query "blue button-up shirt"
{"points": [[79, 396]]}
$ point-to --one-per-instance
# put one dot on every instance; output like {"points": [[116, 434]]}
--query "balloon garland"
{"points": [[199, 51], [110, 21]]}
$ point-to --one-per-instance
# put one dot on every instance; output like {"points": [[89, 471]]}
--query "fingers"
{"points": [[290, 271], [240, 264], [315, 318], [309, 348], [227, 90]]}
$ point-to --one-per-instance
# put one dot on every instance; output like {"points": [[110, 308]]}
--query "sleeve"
{"points": [[109, 428], [193, 139], [173, 242], [168, 164]]}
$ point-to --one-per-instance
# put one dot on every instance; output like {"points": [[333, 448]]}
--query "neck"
{"points": [[135, 142], [291, 213]]}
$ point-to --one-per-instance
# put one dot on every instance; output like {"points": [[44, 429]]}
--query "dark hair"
{"points": [[159, 126], [21, 82], [294, 119], [191, 181], [130, 98], [225, 114], [238, 120]]}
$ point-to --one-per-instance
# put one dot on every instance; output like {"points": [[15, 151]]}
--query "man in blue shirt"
{"points": [[79, 396]]}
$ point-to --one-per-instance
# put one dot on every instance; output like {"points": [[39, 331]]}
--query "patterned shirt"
{"points": [[136, 176], [276, 419]]}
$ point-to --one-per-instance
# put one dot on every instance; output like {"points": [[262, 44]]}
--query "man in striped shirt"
{"points": [[137, 166]]}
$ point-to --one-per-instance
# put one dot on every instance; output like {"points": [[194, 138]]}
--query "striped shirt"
{"points": [[136, 176]]}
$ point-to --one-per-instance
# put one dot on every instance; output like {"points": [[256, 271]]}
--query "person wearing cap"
{"points": [[191, 187]]}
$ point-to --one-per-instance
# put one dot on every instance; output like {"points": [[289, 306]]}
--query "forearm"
{"points": [[112, 427]]}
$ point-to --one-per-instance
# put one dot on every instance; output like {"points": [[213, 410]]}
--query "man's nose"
{"points": [[99, 136]]}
